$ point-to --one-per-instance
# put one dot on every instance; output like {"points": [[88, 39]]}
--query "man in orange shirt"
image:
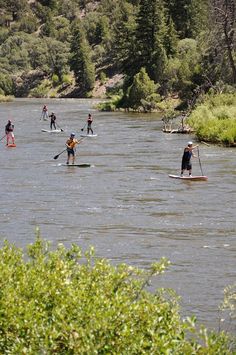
{"points": [[71, 144]]}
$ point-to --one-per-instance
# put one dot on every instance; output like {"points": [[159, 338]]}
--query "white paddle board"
{"points": [[189, 178], [88, 135], [51, 130]]}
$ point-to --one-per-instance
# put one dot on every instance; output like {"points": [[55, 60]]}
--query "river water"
{"points": [[125, 205]]}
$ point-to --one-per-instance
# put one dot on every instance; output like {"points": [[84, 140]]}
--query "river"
{"points": [[125, 205]]}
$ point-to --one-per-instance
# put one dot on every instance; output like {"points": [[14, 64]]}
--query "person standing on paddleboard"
{"points": [[71, 144], [89, 122], [44, 112], [186, 159], [53, 121], [9, 132]]}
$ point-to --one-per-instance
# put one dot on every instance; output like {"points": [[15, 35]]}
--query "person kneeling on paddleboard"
{"points": [[71, 144], [186, 159], [9, 132]]}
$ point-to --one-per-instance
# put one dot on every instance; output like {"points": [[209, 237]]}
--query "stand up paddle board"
{"points": [[11, 145], [51, 130], [77, 165], [189, 178], [88, 135]]}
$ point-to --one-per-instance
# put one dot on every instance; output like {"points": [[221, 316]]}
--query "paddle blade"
{"points": [[56, 156], [82, 129]]}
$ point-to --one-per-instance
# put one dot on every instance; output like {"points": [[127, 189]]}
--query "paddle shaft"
{"points": [[199, 161], [2, 138]]}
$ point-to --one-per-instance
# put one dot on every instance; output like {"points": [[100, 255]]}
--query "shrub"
{"points": [[214, 120], [55, 80], [64, 302]]}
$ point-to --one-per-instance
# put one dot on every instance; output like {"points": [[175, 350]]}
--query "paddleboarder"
{"points": [[186, 158], [53, 121], [71, 144], [44, 112], [9, 132], [89, 122]]}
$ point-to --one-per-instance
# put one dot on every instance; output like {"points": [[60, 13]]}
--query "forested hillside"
{"points": [[66, 48]]}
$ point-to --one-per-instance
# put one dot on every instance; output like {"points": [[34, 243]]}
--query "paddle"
{"points": [[2, 138], [57, 156], [62, 130], [83, 127], [199, 161]]}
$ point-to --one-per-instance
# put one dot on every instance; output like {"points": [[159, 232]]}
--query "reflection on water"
{"points": [[125, 204]]}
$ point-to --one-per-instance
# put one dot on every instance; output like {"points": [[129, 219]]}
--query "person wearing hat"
{"points": [[53, 121], [89, 122], [9, 132], [186, 159], [71, 144]]}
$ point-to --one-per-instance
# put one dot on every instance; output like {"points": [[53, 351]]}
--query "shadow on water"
{"points": [[125, 204]]}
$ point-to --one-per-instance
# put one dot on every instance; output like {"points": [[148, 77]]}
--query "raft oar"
{"points": [[199, 161]]}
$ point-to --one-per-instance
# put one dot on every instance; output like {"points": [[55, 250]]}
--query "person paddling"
{"points": [[44, 112], [53, 121], [9, 132], [71, 144], [186, 158], [89, 122]]}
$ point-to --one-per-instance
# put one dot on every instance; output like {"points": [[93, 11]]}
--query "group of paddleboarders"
{"points": [[186, 158], [71, 142]]}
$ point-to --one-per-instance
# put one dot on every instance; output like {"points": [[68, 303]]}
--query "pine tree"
{"points": [[189, 16], [151, 32], [141, 88], [81, 62]]}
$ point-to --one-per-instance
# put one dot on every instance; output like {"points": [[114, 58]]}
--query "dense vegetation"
{"points": [[157, 48], [64, 302]]}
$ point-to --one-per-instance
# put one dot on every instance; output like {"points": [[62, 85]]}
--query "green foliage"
{"points": [[64, 302], [67, 79], [141, 89], [214, 120], [229, 302], [81, 62], [55, 80], [6, 84], [120, 37], [41, 90]]}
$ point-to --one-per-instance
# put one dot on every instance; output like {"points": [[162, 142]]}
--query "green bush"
{"points": [[64, 302], [215, 119], [41, 90], [55, 80]]}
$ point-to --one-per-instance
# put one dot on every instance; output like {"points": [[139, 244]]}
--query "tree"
{"points": [[80, 62], [150, 36], [224, 13], [189, 16], [141, 88]]}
